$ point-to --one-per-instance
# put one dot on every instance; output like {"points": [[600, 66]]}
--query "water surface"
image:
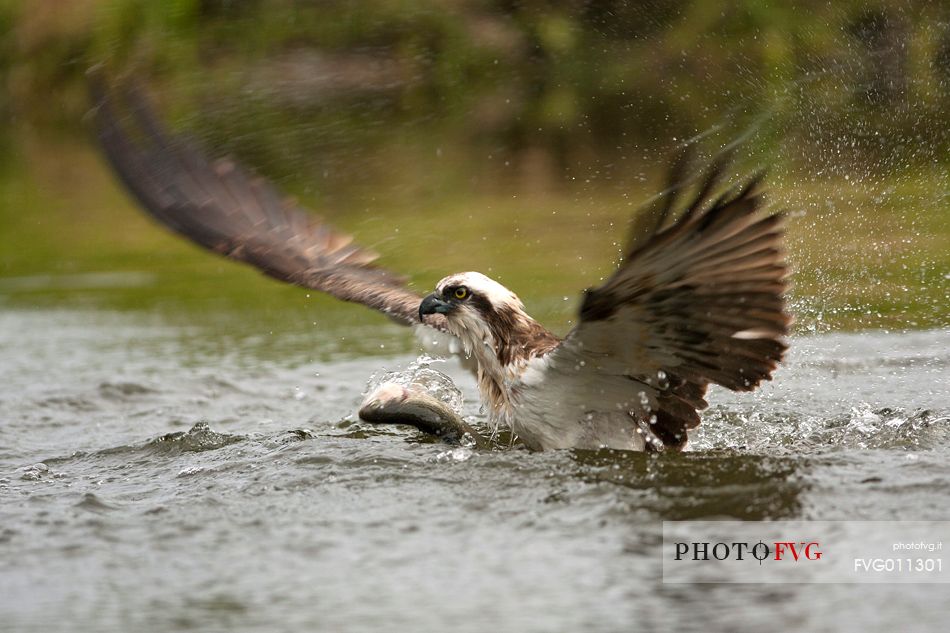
{"points": [[158, 475]]}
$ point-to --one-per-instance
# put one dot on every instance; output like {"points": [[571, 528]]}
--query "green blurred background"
{"points": [[514, 138]]}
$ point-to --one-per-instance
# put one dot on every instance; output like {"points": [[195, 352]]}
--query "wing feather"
{"points": [[225, 208], [698, 299]]}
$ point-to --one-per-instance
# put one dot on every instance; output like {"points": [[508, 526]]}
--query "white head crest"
{"points": [[478, 283]]}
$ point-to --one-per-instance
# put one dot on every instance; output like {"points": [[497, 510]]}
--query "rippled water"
{"points": [[150, 480]]}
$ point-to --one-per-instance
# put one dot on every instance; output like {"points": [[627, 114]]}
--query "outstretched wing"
{"points": [[221, 206], [698, 299]]}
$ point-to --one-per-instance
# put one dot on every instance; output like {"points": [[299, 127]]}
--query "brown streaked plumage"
{"points": [[224, 208], [698, 299]]}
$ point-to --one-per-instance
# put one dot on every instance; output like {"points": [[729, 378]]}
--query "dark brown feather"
{"points": [[226, 209], [699, 298]]}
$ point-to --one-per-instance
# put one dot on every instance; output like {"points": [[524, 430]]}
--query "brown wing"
{"points": [[697, 300], [221, 206]]}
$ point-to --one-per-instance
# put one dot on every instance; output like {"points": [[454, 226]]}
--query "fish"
{"points": [[413, 405]]}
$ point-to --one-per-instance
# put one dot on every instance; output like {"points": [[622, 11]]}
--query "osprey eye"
{"points": [[461, 292]]}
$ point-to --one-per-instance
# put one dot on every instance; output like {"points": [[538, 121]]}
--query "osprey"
{"points": [[697, 299]]}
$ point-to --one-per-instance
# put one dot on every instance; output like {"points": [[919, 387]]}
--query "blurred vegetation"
{"points": [[547, 87], [536, 125]]}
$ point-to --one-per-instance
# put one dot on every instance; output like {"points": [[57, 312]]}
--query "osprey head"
{"points": [[469, 299], [472, 304], [492, 326]]}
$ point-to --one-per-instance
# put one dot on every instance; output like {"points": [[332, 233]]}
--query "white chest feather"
{"points": [[554, 410]]}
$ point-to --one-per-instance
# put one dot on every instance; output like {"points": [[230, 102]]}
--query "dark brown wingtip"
{"points": [[660, 216], [230, 211], [711, 286], [677, 180], [711, 181]]}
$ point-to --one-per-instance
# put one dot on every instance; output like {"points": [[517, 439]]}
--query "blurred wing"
{"points": [[224, 208], [697, 300]]}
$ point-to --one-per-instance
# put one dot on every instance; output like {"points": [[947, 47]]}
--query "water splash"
{"points": [[454, 455], [199, 438], [420, 375], [863, 427]]}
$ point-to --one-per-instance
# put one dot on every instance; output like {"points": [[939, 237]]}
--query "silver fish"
{"points": [[392, 403]]}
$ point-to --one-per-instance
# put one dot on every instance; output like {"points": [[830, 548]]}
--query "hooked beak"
{"points": [[433, 304]]}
